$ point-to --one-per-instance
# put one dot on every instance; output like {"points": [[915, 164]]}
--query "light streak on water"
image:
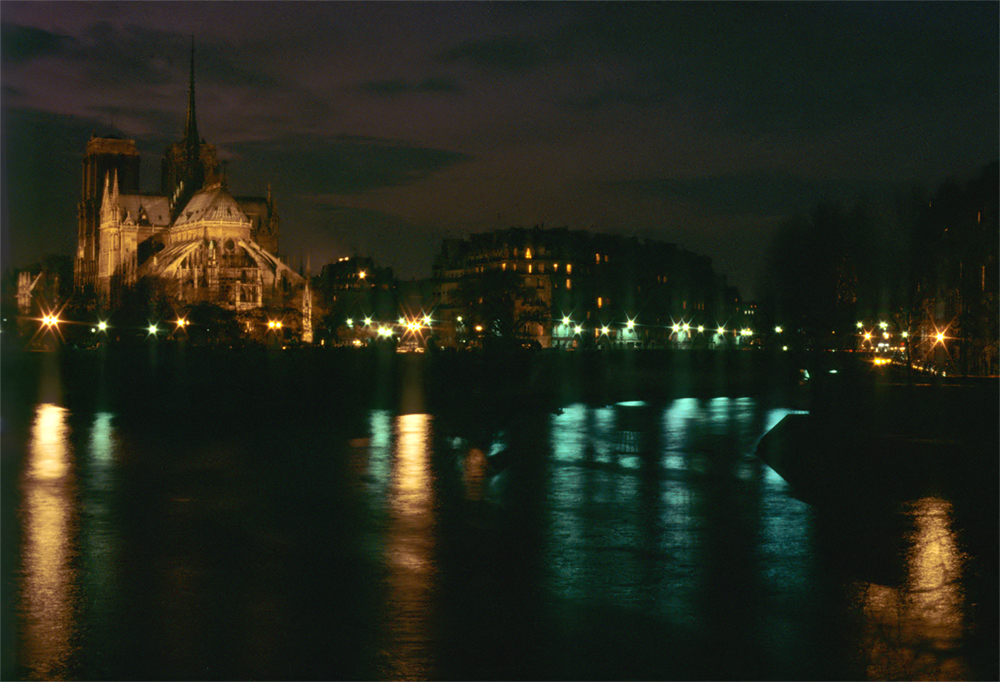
{"points": [[49, 577]]}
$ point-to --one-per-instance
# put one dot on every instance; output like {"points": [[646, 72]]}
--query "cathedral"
{"points": [[194, 240]]}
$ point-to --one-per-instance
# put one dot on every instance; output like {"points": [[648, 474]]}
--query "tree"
{"points": [[501, 303]]}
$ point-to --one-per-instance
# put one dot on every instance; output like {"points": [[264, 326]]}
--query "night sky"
{"points": [[384, 127]]}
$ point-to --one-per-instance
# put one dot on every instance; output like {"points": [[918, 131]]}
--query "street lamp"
{"points": [[778, 329], [102, 326], [350, 322]]}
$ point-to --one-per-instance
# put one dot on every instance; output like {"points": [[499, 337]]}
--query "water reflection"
{"points": [[474, 475], [49, 578], [915, 631], [409, 551], [681, 542]]}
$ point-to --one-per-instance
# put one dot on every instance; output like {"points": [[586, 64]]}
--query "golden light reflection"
{"points": [[915, 631], [474, 474], [410, 553], [48, 578]]}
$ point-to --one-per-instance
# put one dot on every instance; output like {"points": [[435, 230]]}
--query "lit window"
{"points": [[569, 268], [530, 268], [555, 267], [600, 302], [527, 254], [597, 257], [504, 266], [569, 284], [605, 258]]}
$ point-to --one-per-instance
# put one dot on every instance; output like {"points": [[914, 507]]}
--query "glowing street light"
{"points": [[152, 330], [605, 330], [701, 329], [402, 320], [350, 322], [566, 321], [368, 321], [579, 329], [883, 325], [778, 329], [940, 337], [721, 330], [686, 327], [102, 326], [676, 327], [50, 320], [181, 323], [860, 325], [906, 334], [362, 274], [868, 336], [427, 320], [631, 325]]}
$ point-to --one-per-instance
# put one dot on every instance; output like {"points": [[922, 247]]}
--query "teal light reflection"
{"points": [[380, 445], [676, 425]]}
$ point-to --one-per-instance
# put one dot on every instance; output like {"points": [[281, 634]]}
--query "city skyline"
{"points": [[384, 128]]}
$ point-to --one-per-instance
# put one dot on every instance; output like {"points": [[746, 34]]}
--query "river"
{"points": [[233, 517]]}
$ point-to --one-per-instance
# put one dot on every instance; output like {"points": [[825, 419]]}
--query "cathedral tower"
{"points": [[189, 164], [105, 156]]}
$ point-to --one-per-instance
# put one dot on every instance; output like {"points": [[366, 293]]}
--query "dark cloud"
{"points": [[393, 88], [760, 194], [133, 55], [514, 54], [23, 43], [344, 164], [778, 66]]}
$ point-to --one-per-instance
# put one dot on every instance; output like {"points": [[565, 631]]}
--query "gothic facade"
{"points": [[193, 239]]}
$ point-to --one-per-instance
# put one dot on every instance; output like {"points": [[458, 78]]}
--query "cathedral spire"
{"points": [[191, 140]]}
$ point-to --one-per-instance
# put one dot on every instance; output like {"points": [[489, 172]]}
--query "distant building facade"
{"points": [[570, 288], [194, 239]]}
